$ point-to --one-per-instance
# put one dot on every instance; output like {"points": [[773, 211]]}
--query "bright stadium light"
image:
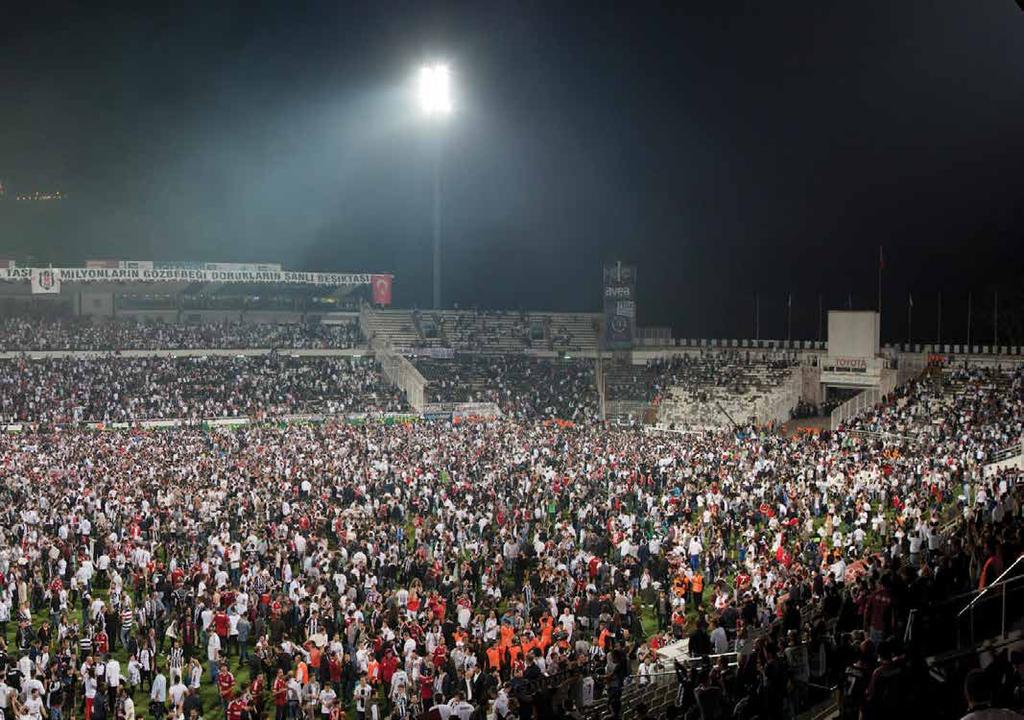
{"points": [[435, 90]]}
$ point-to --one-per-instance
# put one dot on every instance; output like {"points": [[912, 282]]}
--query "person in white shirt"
{"points": [[327, 700], [134, 673], [32, 684], [89, 686], [112, 675], [33, 706], [129, 706], [5, 611], [460, 708], [158, 695], [206, 618], [501, 708], [644, 672], [213, 655], [568, 621], [232, 629], [177, 692], [444, 710], [362, 695], [195, 673], [719, 640], [695, 549], [5, 696]]}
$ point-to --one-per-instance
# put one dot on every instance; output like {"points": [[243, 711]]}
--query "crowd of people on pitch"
{"points": [[17, 334], [864, 641], [489, 569], [523, 387], [59, 391]]}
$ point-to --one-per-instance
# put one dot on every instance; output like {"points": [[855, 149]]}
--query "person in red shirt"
{"points": [[281, 695], [225, 684], [426, 685], [101, 643], [388, 666], [237, 707], [221, 624], [992, 568], [335, 668], [878, 612], [256, 688], [440, 654]]}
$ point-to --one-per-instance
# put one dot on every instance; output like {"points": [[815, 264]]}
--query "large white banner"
{"points": [[48, 278]]}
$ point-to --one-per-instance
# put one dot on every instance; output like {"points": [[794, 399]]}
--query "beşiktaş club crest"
{"points": [[619, 324], [47, 279]]}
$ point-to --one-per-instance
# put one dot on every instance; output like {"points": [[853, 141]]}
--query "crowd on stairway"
{"points": [[510, 568], [37, 334]]}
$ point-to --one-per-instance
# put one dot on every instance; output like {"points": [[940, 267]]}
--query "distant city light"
{"points": [[39, 196], [435, 90]]}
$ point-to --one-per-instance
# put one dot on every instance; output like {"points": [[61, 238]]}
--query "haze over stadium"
{"points": [[478, 361]]}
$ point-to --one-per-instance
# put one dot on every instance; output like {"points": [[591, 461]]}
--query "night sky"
{"points": [[726, 149]]}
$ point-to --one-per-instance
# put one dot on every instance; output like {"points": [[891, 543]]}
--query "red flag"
{"points": [[381, 289]]}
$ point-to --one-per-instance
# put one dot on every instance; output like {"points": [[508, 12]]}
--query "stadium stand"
{"points": [[82, 334], [522, 386], [400, 328], [517, 566], [705, 389], [495, 332], [115, 389], [491, 332]]}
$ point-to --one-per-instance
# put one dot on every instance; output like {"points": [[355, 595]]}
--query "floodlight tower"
{"points": [[436, 104]]}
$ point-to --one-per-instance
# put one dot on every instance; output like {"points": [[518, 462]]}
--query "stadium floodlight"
{"points": [[435, 90], [435, 96]]}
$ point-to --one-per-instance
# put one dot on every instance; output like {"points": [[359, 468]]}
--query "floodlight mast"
{"points": [[435, 97]]}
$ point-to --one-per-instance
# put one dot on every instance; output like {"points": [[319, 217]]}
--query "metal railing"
{"points": [[878, 435], [862, 401], [1003, 585], [854, 406], [402, 373], [1007, 452]]}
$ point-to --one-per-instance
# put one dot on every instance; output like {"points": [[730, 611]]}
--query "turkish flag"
{"points": [[381, 289]]}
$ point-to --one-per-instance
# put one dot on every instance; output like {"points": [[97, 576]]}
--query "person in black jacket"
{"points": [[99, 703], [618, 669], [700, 641]]}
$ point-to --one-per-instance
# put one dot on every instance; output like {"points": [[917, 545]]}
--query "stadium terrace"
{"points": [[301, 512]]}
